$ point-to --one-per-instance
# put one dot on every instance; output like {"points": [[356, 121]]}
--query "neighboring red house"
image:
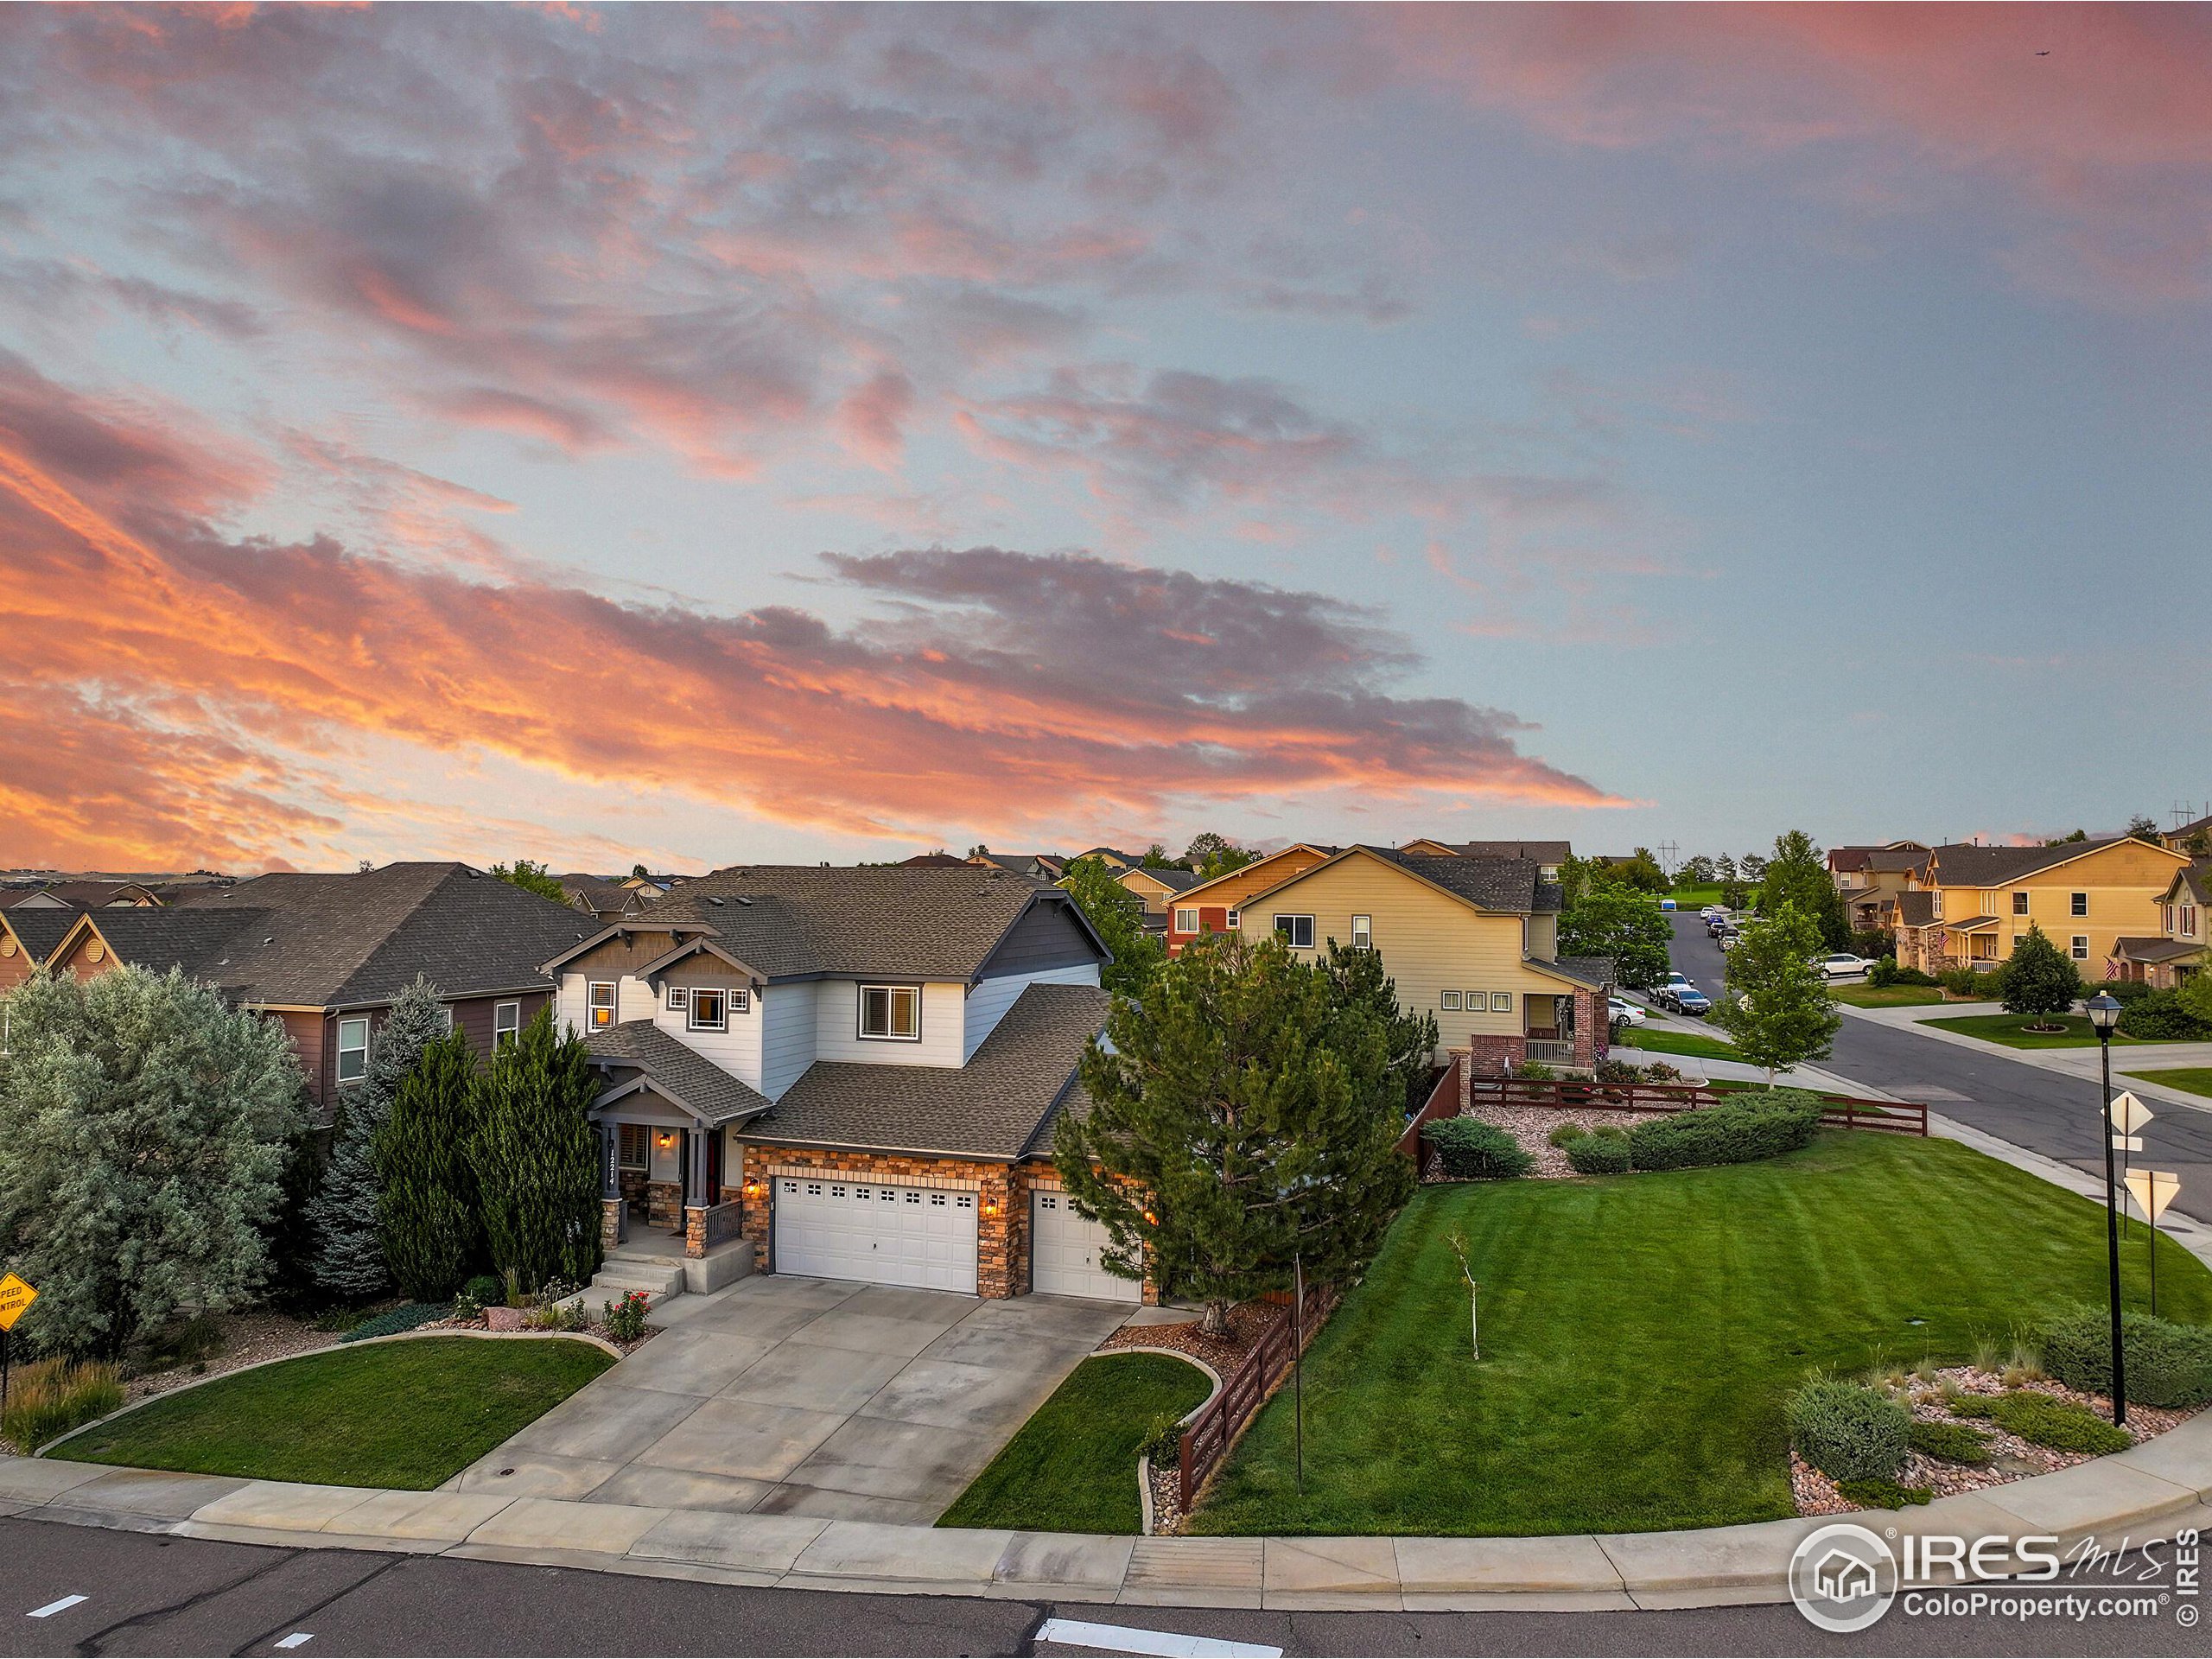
{"points": [[326, 955], [1210, 907]]}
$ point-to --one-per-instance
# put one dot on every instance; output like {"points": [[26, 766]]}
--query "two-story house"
{"points": [[856, 1071], [1473, 940], [1212, 907], [1871, 879], [1549, 856], [326, 955], [2174, 953], [1973, 903]]}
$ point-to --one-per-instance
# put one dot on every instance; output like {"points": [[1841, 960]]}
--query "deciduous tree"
{"points": [[536, 1157], [1117, 914], [1775, 1003], [145, 1129], [1797, 878], [1241, 1114], [532, 878], [2038, 978], [1610, 920]]}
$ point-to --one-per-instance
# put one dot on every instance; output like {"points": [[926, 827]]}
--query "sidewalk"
{"points": [[2152, 1491], [2080, 1064]]}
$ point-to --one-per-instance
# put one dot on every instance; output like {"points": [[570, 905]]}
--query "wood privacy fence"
{"points": [[1208, 1436]]}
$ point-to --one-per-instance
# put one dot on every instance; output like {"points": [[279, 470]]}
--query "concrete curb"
{"points": [[2152, 1491], [2040, 1059]]}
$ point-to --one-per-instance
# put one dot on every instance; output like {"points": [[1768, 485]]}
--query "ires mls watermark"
{"points": [[1845, 1577]]}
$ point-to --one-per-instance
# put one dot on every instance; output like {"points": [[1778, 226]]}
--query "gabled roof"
{"points": [[1507, 885], [691, 947], [359, 940], [2194, 881], [996, 1107], [1895, 859], [637, 1051], [2156, 950], [1972, 866], [1245, 870], [1546, 853], [39, 929], [1916, 909], [796, 921], [1176, 881], [159, 938]]}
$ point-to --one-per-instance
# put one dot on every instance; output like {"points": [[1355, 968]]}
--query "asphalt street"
{"points": [[2041, 1110], [151, 1594]]}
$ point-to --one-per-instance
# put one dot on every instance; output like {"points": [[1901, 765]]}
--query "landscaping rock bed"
{"points": [[1246, 1321], [595, 1328], [247, 1339], [1532, 1127], [2010, 1458]]}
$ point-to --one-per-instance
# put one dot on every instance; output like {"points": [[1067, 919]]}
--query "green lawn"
{"points": [[2010, 1029], [2192, 1079], [409, 1414], [1887, 997], [1695, 898], [1073, 1467], [1653, 1040], [1640, 1333]]}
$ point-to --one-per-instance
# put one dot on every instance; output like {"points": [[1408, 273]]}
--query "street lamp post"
{"points": [[2104, 1013]]}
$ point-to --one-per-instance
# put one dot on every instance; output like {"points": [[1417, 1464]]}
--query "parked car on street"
{"points": [[1841, 964], [1674, 980], [1691, 1001], [1622, 1012]]}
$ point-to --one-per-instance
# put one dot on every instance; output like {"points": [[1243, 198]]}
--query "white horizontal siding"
{"points": [[787, 1035], [836, 1026]]}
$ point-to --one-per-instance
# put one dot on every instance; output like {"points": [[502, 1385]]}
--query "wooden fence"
{"points": [[1207, 1436], [1838, 1111]]}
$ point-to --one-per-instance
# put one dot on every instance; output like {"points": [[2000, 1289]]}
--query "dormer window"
{"points": [[891, 1013]]}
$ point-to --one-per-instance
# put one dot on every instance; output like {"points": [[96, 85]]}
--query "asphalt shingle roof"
{"points": [[1508, 884], [995, 1107], [1969, 866], [914, 922], [712, 1093], [1174, 880], [40, 928], [2155, 950], [1544, 852], [347, 941], [159, 938], [1916, 909], [1597, 972]]}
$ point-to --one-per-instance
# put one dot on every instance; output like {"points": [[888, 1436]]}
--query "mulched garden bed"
{"points": [[595, 1328], [1247, 1322], [2010, 1458], [248, 1339], [1532, 1127]]}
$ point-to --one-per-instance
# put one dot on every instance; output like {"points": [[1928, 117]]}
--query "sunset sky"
{"points": [[703, 434]]}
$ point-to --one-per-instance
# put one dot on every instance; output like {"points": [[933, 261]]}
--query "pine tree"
{"points": [[536, 1157], [2038, 978], [1776, 1005], [349, 1257], [1241, 1114], [1797, 877], [145, 1129], [1410, 1040], [427, 1209]]}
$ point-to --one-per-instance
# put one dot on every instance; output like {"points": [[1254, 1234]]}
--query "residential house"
{"points": [[931, 861], [2193, 838], [1211, 906], [2176, 953], [91, 894], [1157, 890], [608, 899], [850, 1073], [1474, 941], [1037, 867], [326, 955], [1112, 858], [1972, 904], [1871, 878], [27, 938], [1549, 856]]}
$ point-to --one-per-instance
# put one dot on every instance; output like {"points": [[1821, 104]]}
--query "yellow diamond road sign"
{"points": [[15, 1297]]}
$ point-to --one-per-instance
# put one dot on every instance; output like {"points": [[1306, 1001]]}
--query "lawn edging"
{"points": [[2149, 1490], [1144, 1460], [333, 1345]]}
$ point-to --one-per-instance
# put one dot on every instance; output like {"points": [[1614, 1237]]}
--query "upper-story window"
{"points": [[2081, 904], [1232, 921], [445, 1017], [710, 1010], [891, 1012], [599, 1005], [506, 1021], [352, 1050], [1297, 931], [679, 998], [1362, 933], [2019, 904], [2189, 921], [1935, 903], [1186, 921]]}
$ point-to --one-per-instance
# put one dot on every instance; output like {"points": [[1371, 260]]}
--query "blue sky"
{"points": [[725, 433]]}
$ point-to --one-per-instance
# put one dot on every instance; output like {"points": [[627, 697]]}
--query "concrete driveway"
{"points": [[804, 1396]]}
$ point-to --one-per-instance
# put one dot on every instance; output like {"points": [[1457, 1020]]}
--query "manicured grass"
{"points": [[409, 1414], [1640, 1333], [1073, 1467], [1887, 997], [1653, 1040], [1695, 898], [2192, 1080], [2011, 1030]]}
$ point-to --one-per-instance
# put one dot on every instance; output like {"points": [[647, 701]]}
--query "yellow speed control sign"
{"points": [[16, 1295]]}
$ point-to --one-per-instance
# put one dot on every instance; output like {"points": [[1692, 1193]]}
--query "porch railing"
{"points": [[1551, 1051], [724, 1221]]}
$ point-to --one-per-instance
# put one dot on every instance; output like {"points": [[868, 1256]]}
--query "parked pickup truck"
{"points": [[1841, 965]]}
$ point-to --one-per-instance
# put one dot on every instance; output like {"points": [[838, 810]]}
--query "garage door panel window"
{"points": [[891, 1013]]}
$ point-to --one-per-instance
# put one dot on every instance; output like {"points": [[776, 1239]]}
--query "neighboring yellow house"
{"points": [[2176, 954], [1473, 941], [1210, 906], [1973, 903]]}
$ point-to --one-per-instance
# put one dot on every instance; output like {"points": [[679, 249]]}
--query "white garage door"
{"points": [[1065, 1249], [919, 1236]]}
